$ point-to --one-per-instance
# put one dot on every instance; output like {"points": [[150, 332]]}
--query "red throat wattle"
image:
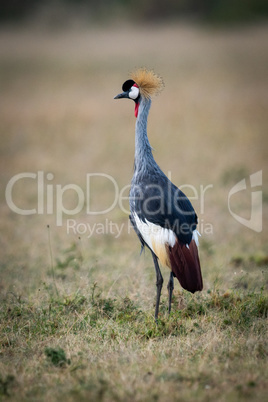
{"points": [[136, 103], [136, 109]]}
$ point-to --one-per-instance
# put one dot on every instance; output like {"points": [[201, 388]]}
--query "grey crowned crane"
{"points": [[161, 214]]}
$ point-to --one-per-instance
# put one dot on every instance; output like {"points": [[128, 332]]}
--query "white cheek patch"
{"points": [[153, 234], [134, 93]]}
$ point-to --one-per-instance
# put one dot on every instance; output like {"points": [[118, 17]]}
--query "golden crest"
{"points": [[148, 82]]}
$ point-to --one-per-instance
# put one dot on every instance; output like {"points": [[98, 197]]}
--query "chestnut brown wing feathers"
{"points": [[185, 265]]}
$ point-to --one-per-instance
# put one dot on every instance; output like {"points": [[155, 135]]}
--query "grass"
{"points": [[77, 308], [213, 344]]}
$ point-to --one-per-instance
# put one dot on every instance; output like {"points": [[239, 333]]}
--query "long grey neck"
{"points": [[143, 150]]}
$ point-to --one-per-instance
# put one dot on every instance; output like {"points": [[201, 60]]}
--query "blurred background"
{"points": [[61, 64], [213, 11]]}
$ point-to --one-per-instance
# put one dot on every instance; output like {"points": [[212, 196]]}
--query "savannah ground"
{"points": [[77, 309]]}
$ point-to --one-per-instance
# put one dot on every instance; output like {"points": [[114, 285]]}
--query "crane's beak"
{"points": [[122, 95]]}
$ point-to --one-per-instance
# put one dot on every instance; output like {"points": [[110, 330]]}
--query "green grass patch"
{"points": [[57, 357], [211, 327]]}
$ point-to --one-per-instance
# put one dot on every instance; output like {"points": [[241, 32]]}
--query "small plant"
{"points": [[5, 384], [57, 357], [127, 311], [72, 258], [259, 259]]}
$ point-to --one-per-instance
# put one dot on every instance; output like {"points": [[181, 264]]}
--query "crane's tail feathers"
{"points": [[185, 265]]}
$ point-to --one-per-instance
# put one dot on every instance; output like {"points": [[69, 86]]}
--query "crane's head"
{"points": [[130, 91], [143, 84]]}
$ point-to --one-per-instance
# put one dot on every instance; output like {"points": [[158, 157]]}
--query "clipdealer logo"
{"points": [[51, 200], [255, 220], [47, 193]]}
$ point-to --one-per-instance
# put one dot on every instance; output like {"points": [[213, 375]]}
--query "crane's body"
{"points": [[161, 214]]}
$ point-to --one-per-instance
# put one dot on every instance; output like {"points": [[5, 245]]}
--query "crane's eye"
{"points": [[134, 92]]}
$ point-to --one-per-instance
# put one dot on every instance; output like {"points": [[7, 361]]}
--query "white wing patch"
{"points": [[157, 238], [195, 237], [154, 234]]}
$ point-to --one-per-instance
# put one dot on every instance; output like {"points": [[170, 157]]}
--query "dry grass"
{"points": [[80, 326]]}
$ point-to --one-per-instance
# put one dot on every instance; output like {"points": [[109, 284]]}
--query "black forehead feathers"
{"points": [[127, 85]]}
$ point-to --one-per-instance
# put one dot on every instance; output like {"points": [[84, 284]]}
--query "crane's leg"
{"points": [[159, 285], [170, 287]]}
